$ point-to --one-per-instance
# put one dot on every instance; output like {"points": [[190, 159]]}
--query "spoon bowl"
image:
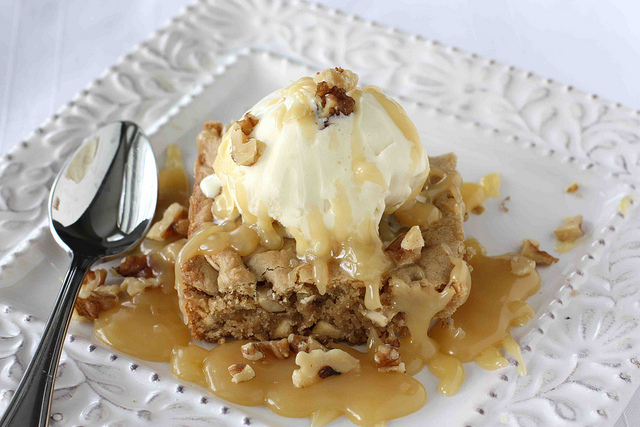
{"points": [[101, 205], [103, 201]]}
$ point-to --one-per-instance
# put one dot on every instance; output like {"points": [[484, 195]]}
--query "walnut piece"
{"points": [[531, 249], [521, 265], [333, 101], [174, 222], [571, 230], [135, 266], [280, 349], [412, 240], [377, 317], [260, 349], [298, 343], [251, 351], [241, 372], [247, 123], [245, 151], [325, 329], [135, 285], [267, 301], [317, 365], [387, 359], [409, 252], [347, 80], [572, 188], [284, 329], [490, 183], [94, 296]]}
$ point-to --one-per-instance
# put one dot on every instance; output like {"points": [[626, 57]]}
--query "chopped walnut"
{"points": [[251, 351], [387, 359], [334, 100], [244, 150], [347, 80], [135, 285], [398, 251], [267, 301], [378, 317], [241, 372], [135, 266], [325, 329], [284, 329], [174, 222], [522, 265], [490, 183], [571, 230], [572, 188], [413, 239], [247, 123], [503, 205], [92, 281], [318, 365], [94, 296], [298, 343], [279, 348], [530, 249], [258, 350]]}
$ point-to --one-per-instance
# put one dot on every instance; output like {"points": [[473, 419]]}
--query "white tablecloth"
{"points": [[50, 49]]}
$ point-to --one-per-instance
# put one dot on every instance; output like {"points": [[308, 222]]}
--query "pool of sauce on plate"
{"points": [[149, 326], [358, 395], [496, 303]]}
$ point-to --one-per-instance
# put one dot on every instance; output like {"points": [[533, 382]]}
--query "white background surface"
{"points": [[50, 49]]}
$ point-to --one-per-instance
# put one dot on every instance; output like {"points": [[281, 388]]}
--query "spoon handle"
{"points": [[32, 400]]}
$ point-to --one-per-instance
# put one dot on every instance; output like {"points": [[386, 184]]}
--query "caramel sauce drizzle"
{"points": [[173, 182], [149, 326]]}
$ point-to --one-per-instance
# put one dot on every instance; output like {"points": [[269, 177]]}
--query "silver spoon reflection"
{"points": [[101, 205]]}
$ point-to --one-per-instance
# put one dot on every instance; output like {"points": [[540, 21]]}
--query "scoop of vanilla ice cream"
{"points": [[326, 176]]}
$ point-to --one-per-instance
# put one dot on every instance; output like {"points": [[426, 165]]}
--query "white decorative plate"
{"points": [[217, 59]]}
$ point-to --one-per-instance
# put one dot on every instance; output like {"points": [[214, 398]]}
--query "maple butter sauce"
{"points": [[496, 302], [150, 326], [358, 395]]}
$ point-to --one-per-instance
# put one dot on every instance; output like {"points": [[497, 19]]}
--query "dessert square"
{"points": [[269, 294]]}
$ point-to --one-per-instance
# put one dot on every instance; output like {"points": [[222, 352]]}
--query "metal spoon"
{"points": [[101, 205]]}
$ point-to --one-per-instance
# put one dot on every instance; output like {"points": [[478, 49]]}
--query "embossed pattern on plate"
{"points": [[213, 62]]}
